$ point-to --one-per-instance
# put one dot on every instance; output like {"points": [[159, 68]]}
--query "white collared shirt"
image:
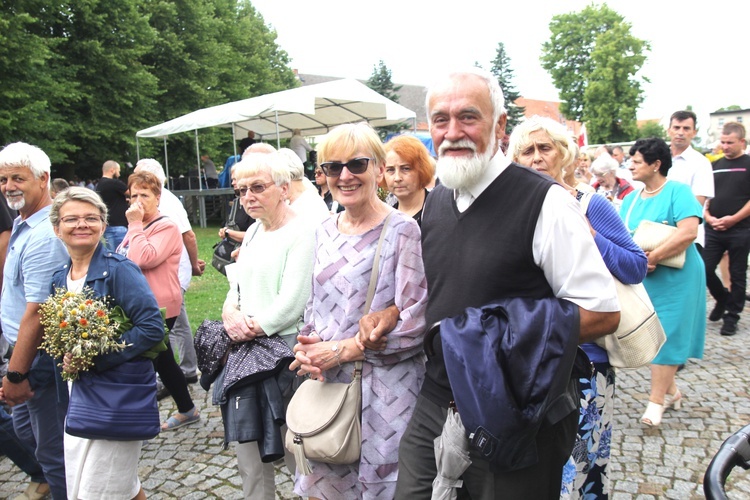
{"points": [[692, 168], [563, 246]]}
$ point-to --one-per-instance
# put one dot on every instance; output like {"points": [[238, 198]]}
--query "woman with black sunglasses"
{"points": [[353, 160]]}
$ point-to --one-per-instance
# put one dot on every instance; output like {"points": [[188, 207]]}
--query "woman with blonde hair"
{"points": [[545, 145], [353, 160]]}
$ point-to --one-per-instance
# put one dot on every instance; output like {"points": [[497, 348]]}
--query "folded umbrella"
{"points": [[451, 457]]}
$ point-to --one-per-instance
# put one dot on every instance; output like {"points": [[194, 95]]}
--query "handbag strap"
{"points": [[373, 281], [375, 265], [630, 209]]}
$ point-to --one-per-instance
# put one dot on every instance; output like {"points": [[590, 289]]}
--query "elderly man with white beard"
{"points": [[496, 230]]}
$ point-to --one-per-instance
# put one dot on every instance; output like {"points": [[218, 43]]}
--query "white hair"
{"points": [[493, 86], [293, 162], [604, 165], [20, 154], [153, 166]]}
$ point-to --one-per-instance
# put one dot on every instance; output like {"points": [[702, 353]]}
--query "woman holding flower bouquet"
{"points": [[154, 243], [99, 468]]}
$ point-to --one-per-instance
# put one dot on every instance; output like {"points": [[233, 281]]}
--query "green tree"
{"points": [[105, 42], [36, 84], [79, 78], [733, 107], [504, 73], [210, 52], [593, 60], [380, 81], [652, 129]]}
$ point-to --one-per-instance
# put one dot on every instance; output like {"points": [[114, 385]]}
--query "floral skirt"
{"points": [[585, 474]]}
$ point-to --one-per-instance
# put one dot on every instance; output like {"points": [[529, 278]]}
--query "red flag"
{"points": [[583, 139]]}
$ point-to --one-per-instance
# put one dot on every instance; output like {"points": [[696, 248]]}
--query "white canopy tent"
{"points": [[314, 109]]}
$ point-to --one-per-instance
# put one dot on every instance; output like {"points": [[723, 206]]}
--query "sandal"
{"points": [[652, 416], [34, 491], [181, 419], [673, 400]]}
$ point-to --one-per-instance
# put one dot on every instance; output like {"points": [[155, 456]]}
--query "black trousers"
{"points": [[172, 377], [735, 241], [417, 469]]}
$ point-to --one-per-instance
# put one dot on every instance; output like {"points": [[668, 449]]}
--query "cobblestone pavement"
{"points": [[647, 463]]}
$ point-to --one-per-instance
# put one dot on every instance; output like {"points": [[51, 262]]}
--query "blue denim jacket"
{"points": [[121, 281]]}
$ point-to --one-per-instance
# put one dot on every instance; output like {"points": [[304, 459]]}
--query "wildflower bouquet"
{"points": [[79, 324]]}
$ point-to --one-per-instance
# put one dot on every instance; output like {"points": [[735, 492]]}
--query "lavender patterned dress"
{"points": [[390, 378]]}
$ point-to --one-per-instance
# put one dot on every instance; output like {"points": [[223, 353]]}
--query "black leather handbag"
{"points": [[223, 254]]}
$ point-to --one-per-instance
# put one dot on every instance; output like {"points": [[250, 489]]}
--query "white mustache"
{"points": [[462, 144]]}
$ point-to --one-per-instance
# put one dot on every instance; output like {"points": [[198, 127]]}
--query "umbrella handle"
{"points": [[429, 337]]}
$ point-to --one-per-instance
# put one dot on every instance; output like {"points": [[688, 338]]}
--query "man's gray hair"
{"points": [[153, 166], [20, 154], [493, 86]]}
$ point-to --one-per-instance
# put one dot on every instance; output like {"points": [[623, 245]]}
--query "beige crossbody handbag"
{"points": [[639, 336], [323, 418]]}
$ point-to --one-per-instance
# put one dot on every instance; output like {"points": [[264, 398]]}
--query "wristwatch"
{"points": [[16, 377]]}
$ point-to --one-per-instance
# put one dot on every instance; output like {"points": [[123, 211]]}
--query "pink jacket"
{"points": [[156, 248]]}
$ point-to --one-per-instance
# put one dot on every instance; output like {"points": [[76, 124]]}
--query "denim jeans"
{"points": [[113, 236], [39, 423], [15, 449]]}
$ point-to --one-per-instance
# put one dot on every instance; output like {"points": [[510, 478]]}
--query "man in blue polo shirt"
{"points": [[33, 254]]}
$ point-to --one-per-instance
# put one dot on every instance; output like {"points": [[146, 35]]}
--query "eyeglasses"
{"points": [[318, 172], [255, 188], [355, 166], [89, 220]]}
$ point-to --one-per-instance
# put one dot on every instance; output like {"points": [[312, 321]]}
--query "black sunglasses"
{"points": [[355, 166]]}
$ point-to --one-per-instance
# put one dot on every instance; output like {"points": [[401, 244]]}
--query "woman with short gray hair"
{"points": [[101, 468], [607, 183]]}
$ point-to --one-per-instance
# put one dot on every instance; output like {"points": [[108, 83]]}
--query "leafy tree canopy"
{"points": [[652, 129], [79, 78], [593, 60], [733, 107]]}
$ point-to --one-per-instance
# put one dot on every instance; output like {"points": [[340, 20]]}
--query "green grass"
{"points": [[206, 294]]}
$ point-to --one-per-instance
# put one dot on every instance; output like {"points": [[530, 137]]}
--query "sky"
{"points": [[693, 49]]}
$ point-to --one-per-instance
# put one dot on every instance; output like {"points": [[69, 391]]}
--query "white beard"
{"points": [[18, 204], [460, 173]]}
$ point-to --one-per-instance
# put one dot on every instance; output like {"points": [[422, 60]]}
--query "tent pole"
{"points": [[234, 140], [166, 159], [198, 157], [137, 149], [278, 140]]}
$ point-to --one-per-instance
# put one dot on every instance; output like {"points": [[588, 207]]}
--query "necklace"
{"points": [[655, 190]]}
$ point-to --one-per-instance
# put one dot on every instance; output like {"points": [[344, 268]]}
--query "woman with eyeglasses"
{"points": [[320, 181], [274, 277], [353, 160], [154, 243], [98, 468], [238, 221], [408, 171]]}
